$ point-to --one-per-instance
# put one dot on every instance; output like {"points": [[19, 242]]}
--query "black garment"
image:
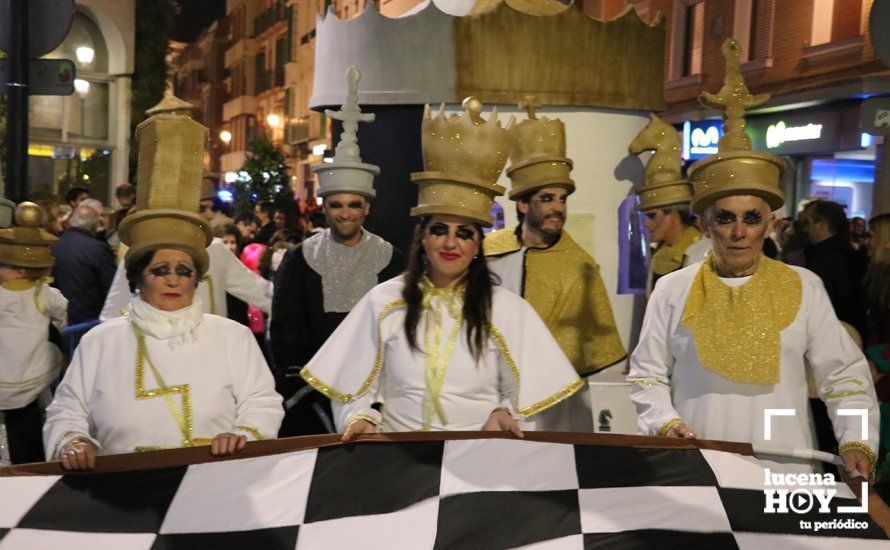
{"points": [[836, 262], [24, 433], [237, 309], [264, 235], [84, 269], [299, 327]]}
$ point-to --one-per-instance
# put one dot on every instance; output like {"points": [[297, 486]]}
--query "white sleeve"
{"points": [[357, 409], [118, 297], [258, 406], [56, 306], [246, 285], [650, 369], [841, 373], [68, 416]]}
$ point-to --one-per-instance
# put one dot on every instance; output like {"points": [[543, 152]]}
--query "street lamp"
{"points": [[273, 120], [85, 54], [225, 136], [81, 86]]}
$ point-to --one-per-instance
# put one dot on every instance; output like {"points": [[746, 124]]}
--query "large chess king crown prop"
{"points": [[735, 169], [168, 178], [538, 158], [26, 245], [495, 50], [463, 156]]}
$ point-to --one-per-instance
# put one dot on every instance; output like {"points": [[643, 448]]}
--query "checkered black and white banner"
{"points": [[471, 493]]}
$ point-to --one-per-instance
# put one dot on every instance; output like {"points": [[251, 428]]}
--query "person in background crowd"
{"points": [[282, 241], [317, 222], [877, 282], [85, 265], [53, 218], [76, 195], [125, 194], [210, 205], [28, 361], [831, 256], [858, 230], [230, 236], [264, 213], [247, 225]]}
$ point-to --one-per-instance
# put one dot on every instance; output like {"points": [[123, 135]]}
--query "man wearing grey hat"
{"points": [[321, 280]]}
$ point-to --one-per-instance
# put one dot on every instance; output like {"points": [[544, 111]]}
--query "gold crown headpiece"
{"points": [[664, 184], [26, 245], [463, 156], [169, 180], [538, 157], [735, 169]]}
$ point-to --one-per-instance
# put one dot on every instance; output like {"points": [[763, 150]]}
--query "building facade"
{"points": [[83, 139]]}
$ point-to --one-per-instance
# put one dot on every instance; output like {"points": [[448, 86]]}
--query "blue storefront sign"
{"points": [[700, 138]]}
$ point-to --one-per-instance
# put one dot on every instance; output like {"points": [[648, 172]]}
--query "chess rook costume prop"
{"points": [[158, 379], [368, 359], [716, 352], [562, 282], [321, 280]]}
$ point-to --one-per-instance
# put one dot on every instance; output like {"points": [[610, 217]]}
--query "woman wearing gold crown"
{"points": [[441, 347], [166, 375], [726, 340]]}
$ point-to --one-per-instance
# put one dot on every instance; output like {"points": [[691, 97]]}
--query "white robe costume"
{"points": [[28, 361], [368, 359], [203, 375], [225, 274], [670, 382]]}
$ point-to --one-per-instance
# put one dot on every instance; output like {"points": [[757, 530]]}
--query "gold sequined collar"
{"points": [[737, 330], [18, 284], [669, 258]]}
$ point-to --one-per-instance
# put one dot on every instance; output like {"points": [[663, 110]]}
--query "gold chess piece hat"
{"points": [[25, 244], [664, 184], [169, 180], [463, 156], [538, 157], [735, 169]]}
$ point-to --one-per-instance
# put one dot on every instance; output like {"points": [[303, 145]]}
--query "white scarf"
{"points": [[177, 327]]}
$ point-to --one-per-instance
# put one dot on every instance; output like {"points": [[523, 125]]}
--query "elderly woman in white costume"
{"points": [[166, 375], [441, 347], [727, 339]]}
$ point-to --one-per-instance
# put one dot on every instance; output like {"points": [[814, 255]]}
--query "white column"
{"points": [[120, 134]]}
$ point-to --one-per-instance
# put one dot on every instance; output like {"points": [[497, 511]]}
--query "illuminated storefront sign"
{"points": [[700, 138], [779, 133]]}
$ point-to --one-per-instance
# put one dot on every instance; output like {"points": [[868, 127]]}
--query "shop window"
{"points": [[687, 38]]}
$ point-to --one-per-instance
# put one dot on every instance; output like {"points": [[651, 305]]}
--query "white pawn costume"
{"points": [[715, 353]]}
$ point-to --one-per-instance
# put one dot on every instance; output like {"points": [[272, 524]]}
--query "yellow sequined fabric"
{"points": [[737, 330], [670, 258], [564, 285], [435, 300], [182, 413]]}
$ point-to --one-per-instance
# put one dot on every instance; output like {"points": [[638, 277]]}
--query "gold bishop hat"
{"points": [[26, 245], [169, 180], [735, 169], [664, 184], [463, 156], [538, 157]]}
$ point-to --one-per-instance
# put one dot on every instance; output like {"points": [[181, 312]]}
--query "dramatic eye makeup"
{"points": [[651, 215], [464, 233], [753, 217], [723, 217], [164, 270]]}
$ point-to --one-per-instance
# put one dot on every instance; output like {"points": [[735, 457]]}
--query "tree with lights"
{"points": [[263, 178]]}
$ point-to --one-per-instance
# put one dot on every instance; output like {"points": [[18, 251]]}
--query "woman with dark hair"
{"points": [[441, 347], [166, 375]]}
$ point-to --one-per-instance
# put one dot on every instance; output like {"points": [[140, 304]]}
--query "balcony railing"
{"points": [[278, 12], [296, 132]]}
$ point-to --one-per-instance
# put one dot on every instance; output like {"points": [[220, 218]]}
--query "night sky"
{"points": [[197, 15]]}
